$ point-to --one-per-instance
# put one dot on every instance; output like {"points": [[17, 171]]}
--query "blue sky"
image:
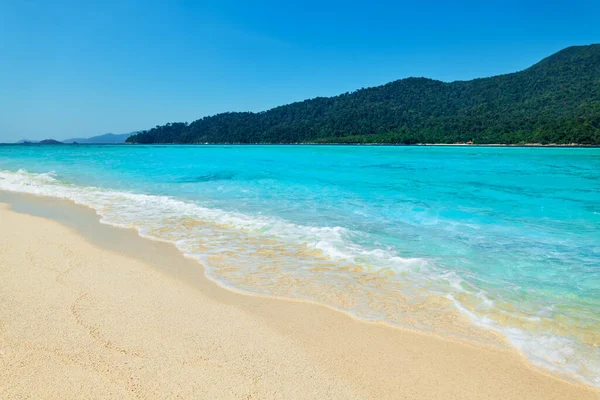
{"points": [[76, 68]]}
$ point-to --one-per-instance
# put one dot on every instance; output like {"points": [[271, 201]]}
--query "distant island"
{"points": [[107, 138], [556, 101], [49, 141]]}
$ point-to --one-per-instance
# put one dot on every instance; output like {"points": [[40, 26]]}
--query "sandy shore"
{"points": [[92, 311]]}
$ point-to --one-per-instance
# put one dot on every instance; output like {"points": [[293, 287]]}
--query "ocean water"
{"points": [[441, 239]]}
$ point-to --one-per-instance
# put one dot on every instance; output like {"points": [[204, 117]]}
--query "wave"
{"points": [[266, 255]]}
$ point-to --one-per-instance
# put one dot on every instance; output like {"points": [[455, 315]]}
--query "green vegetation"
{"points": [[555, 101]]}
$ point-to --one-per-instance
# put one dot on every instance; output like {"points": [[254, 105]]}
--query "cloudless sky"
{"points": [[82, 68]]}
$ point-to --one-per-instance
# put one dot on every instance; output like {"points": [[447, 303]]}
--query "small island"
{"points": [[49, 141]]}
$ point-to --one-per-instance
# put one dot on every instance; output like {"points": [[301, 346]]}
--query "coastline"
{"points": [[523, 145], [111, 312]]}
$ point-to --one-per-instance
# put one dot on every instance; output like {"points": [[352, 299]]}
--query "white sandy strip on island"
{"points": [[81, 321]]}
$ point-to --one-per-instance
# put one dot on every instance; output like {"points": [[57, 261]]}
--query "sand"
{"points": [[92, 311]]}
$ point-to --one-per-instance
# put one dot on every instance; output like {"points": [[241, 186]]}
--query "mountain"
{"points": [[108, 138], [556, 100]]}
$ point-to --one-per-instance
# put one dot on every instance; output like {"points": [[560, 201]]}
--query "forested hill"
{"points": [[555, 101]]}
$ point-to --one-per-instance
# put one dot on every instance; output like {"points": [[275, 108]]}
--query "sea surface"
{"points": [[441, 239]]}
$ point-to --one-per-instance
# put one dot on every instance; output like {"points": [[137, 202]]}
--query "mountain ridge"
{"points": [[107, 138], [554, 101]]}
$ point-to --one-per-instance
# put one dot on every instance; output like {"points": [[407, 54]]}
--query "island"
{"points": [[556, 101]]}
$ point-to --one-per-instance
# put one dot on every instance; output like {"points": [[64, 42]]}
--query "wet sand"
{"points": [[93, 311]]}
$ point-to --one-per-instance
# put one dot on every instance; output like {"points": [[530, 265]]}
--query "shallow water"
{"points": [[415, 236]]}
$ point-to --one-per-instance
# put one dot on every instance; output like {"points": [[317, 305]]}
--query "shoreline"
{"points": [[47, 207], [460, 369], [523, 145]]}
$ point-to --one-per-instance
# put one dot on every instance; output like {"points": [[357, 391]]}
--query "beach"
{"points": [[93, 311]]}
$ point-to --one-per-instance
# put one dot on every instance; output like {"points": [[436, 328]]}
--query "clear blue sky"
{"points": [[73, 68]]}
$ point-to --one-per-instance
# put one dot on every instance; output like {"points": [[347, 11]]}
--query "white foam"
{"points": [[556, 353], [130, 209]]}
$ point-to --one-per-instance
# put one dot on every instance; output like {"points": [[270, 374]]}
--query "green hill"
{"points": [[555, 101]]}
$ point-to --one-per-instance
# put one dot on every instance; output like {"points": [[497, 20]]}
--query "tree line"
{"points": [[555, 101]]}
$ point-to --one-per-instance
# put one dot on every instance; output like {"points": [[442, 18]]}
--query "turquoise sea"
{"points": [[443, 239]]}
